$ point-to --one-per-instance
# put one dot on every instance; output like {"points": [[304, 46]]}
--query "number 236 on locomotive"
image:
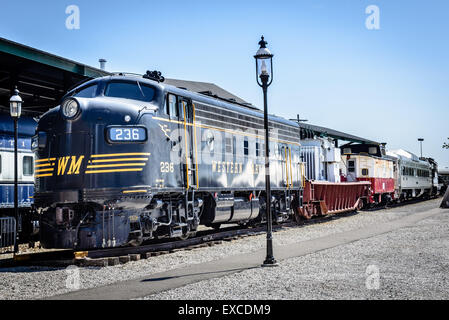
{"points": [[127, 158]]}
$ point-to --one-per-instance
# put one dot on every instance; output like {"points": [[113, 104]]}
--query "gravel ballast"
{"points": [[40, 282], [412, 263]]}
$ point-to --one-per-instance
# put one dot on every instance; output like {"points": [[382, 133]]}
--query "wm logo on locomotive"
{"points": [[74, 167]]}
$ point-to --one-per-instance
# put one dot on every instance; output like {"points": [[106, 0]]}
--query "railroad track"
{"points": [[114, 256], [400, 204]]}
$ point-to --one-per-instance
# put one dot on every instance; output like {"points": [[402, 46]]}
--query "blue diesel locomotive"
{"points": [[128, 158]]}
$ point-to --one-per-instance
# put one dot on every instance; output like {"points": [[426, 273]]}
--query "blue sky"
{"points": [[389, 85]]}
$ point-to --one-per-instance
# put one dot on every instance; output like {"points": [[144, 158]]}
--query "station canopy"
{"points": [[309, 130], [43, 78]]}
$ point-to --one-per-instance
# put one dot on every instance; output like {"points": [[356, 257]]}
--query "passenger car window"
{"points": [[88, 92], [27, 166], [130, 90]]}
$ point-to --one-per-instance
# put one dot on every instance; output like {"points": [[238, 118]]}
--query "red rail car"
{"points": [[379, 187], [322, 197]]}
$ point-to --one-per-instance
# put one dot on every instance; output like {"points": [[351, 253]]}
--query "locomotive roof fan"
{"points": [[154, 75]]}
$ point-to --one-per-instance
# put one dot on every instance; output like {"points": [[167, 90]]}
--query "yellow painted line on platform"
{"points": [[21, 257], [116, 170], [120, 159], [120, 154], [134, 191], [80, 254], [115, 165]]}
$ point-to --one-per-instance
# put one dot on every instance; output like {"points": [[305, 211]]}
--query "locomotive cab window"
{"points": [[130, 90], [172, 110], [87, 92]]}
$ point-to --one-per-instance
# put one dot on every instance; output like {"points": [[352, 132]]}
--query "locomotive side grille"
{"points": [[226, 119]]}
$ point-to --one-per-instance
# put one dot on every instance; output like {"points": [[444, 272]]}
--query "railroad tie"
{"points": [[124, 259]]}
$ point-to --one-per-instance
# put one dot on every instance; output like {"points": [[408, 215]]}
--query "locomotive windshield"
{"points": [[87, 92], [130, 90]]}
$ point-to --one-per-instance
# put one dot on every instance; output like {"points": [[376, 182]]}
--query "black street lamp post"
{"points": [[15, 104], [420, 141], [264, 77]]}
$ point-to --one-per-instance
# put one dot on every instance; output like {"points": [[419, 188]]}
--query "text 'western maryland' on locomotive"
{"points": [[125, 159]]}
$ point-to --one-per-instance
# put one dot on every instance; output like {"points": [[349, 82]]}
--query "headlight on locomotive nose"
{"points": [[70, 108]]}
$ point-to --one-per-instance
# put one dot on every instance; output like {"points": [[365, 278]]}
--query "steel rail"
{"points": [[66, 257]]}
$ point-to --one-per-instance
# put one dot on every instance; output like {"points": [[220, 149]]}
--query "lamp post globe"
{"points": [[264, 64], [15, 105], [264, 77]]}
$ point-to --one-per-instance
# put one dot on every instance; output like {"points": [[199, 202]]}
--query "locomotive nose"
{"points": [[89, 144]]}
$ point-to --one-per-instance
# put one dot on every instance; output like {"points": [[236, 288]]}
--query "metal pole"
{"points": [[16, 191], [421, 148], [420, 142], [269, 260]]}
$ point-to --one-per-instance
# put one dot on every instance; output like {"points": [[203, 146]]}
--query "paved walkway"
{"points": [[193, 273]]}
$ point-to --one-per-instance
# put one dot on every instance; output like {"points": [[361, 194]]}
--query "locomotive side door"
{"points": [[187, 116]]}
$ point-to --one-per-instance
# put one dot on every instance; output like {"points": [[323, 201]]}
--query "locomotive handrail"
{"points": [[291, 168], [185, 142], [196, 148]]}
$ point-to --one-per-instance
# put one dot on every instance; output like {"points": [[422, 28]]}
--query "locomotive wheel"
{"points": [[136, 242], [184, 236], [360, 205], [185, 233]]}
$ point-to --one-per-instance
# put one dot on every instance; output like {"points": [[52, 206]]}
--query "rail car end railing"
{"points": [[7, 234]]}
